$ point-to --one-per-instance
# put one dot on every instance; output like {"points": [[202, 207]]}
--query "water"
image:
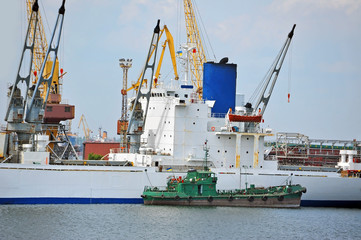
{"points": [[163, 222]]}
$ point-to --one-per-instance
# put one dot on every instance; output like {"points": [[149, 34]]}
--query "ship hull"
{"points": [[224, 202], [61, 184]]}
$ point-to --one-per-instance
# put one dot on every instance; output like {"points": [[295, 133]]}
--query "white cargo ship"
{"points": [[169, 127], [177, 127]]}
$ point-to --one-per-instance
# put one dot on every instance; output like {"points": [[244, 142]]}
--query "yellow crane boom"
{"points": [[86, 129], [197, 57]]}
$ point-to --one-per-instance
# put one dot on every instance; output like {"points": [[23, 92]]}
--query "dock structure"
{"points": [[297, 149]]}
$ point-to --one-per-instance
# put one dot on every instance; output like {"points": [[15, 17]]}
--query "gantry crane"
{"points": [[196, 57]]}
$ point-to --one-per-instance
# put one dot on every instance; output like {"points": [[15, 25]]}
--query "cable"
{"points": [[207, 37]]}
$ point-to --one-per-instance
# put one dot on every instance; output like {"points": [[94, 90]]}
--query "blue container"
{"points": [[219, 83]]}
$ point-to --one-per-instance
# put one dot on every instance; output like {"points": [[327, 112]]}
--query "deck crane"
{"points": [[137, 116], [197, 56], [253, 114]]}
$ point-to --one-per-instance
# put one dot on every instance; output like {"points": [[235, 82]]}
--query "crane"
{"points": [[86, 129], [254, 114], [122, 124], [26, 108], [196, 57], [137, 117]]}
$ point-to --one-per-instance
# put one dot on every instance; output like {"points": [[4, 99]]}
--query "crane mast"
{"points": [[196, 57]]}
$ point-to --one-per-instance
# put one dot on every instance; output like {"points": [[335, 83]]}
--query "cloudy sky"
{"points": [[322, 72]]}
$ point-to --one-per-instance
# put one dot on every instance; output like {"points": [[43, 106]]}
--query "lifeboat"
{"points": [[244, 118]]}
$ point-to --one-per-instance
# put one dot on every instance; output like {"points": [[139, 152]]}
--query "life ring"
{"points": [[213, 128], [210, 199], [251, 198], [280, 198], [162, 196], [264, 198], [177, 197]]}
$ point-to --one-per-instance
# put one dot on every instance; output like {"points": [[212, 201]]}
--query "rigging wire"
{"points": [[206, 33], [46, 19], [268, 75]]}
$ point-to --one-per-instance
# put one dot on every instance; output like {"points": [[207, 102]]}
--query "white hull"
{"points": [[101, 184]]}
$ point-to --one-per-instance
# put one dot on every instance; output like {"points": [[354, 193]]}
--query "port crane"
{"points": [[86, 129], [254, 113], [26, 108]]}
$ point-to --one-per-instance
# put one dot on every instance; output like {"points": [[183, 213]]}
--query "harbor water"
{"points": [[132, 221]]}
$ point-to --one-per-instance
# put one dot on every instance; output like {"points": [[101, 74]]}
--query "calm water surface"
{"points": [[161, 222]]}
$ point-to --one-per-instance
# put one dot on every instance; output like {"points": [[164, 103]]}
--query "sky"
{"points": [[322, 71]]}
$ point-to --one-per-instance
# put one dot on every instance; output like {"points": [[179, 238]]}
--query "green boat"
{"points": [[198, 188]]}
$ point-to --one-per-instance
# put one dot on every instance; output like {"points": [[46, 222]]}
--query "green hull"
{"points": [[234, 201]]}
